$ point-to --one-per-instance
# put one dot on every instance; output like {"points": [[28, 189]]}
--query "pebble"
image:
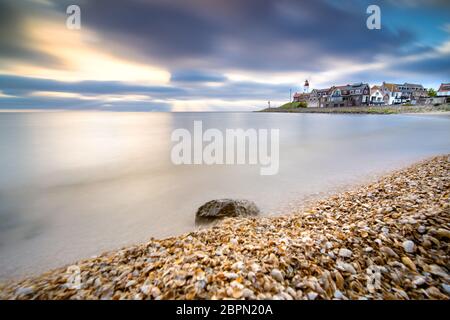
{"points": [[408, 245], [345, 253], [277, 275], [312, 295]]}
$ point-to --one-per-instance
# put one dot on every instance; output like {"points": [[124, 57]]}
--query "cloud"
{"points": [[196, 76], [19, 85], [234, 34]]}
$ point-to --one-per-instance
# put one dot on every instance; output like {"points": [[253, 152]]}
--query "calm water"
{"points": [[74, 184]]}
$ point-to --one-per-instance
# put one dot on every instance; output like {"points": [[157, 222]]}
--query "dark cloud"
{"points": [[251, 34], [15, 42], [20, 85], [50, 103]]}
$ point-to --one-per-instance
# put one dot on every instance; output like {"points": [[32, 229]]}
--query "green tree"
{"points": [[432, 92]]}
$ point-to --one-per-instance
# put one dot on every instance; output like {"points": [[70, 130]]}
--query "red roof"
{"points": [[444, 87]]}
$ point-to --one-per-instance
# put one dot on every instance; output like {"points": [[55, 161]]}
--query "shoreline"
{"points": [[381, 110], [387, 239]]}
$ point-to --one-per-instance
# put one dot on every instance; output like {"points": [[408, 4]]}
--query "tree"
{"points": [[432, 92]]}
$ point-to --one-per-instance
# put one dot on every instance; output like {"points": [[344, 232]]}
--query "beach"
{"points": [[388, 239]]}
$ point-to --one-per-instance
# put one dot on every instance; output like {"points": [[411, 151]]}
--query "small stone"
{"points": [[247, 293], [446, 288], [345, 253], [338, 295], [389, 252], [312, 295], [419, 280], [24, 291], [130, 283], [343, 266], [409, 263], [145, 289], [277, 275], [421, 229], [408, 245], [230, 275], [155, 292], [443, 233], [238, 265], [368, 249]]}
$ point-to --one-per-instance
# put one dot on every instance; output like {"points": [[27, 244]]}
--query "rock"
{"points": [[409, 263], [443, 233], [345, 253], [222, 208], [389, 252], [312, 295], [338, 295], [408, 245], [24, 291], [446, 288], [277, 275], [343, 266]]}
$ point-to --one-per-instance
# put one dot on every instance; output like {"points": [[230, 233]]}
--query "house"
{"points": [[357, 94], [318, 98], [412, 92], [444, 90], [301, 97], [378, 96], [393, 92]]}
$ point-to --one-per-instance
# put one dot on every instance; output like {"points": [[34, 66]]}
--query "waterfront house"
{"points": [[444, 90], [412, 92], [350, 95], [318, 98], [394, 95], [443, 94], [378, 96], [301, 97]]}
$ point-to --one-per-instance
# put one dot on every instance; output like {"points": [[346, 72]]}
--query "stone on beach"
{"points": [[221, 208]]}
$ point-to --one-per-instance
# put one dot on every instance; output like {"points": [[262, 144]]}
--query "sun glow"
{"points": [[79, 56]]}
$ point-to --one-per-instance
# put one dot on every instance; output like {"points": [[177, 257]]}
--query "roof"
{"points": [[391, 87], [296, 95], [444, 87], [412, 85]]}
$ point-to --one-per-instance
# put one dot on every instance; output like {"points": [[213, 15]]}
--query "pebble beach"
{"points": [[385, 240]]}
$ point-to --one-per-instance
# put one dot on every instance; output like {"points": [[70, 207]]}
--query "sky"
{"points": [[211, 55]]}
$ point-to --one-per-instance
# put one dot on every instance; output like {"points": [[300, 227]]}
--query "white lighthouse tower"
{"points": [[306, 87]]}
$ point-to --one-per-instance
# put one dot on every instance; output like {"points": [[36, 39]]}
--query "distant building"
{"points": [[301, 97], [350, 95], [412, 92], [394, 95], [318, 98], [444, 90], [306, 87], [378, 96]]}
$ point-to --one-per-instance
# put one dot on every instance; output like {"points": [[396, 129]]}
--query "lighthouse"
{"points": [[306, 87]]}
